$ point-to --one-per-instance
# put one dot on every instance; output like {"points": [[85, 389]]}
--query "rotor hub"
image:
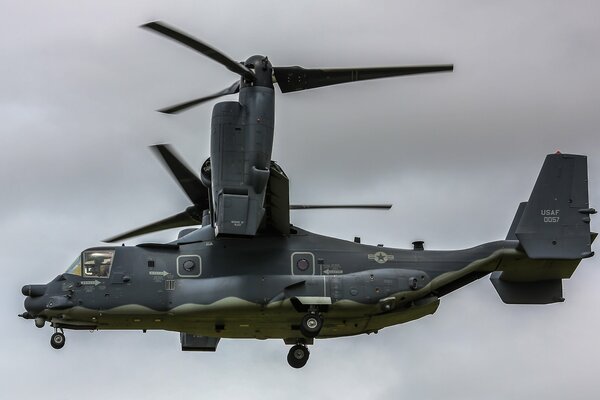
{"points": [[262, 69]]}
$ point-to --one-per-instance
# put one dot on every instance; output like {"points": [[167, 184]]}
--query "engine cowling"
{"points": [[205, 174]]}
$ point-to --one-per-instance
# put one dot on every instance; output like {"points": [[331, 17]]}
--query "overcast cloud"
{"points": [[455, 153]]}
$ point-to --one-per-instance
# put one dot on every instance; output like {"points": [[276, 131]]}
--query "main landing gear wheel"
{"points": [[57, 340], [311, 325], [298, 356]]}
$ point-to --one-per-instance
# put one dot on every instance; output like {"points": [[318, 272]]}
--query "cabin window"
{"points": [[189, 266], [303, 263], [97, 263]]}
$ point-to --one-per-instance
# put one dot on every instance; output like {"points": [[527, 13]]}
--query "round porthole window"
{"points": [[302, 264], [188, 265]]}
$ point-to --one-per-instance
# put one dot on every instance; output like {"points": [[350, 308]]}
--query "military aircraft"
{"points": [[248, 273]]}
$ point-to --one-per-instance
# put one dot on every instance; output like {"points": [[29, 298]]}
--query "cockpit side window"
{"points": [[75, 268], [97, 263]]}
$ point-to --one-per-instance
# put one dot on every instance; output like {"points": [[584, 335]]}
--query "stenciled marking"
{"points": [[95, 282], [550, 216], [331, 269], [381, 257], [158, 273]]}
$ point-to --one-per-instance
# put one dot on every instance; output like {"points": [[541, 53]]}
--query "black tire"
{"points": [[298, 356], [311, 325], [57, 340]]}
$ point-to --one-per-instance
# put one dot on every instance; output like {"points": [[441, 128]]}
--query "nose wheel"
{"points": [[57, 340], [298, 356]]}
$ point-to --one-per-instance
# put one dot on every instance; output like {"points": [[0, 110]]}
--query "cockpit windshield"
{"points": [[96, 264], [75, 268]]}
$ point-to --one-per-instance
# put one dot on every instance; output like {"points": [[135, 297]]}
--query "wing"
{"points": [[277, 201]]}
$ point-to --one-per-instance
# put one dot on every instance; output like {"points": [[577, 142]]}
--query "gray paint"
{"points": [[555, 221], [525, 87], [241, 274], [260, 287], [241, 143]]}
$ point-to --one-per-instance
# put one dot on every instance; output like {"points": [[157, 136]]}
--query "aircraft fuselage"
{"points": [[258, 287]]}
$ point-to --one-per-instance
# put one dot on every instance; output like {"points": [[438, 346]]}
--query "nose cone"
{"points": [[35, 301], [34, 290], [35, 305], [257, 61], [46, 297], [263, 71]]}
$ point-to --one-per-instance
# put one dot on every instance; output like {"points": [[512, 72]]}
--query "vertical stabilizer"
{"points": [[511, 235], [556, 220]]}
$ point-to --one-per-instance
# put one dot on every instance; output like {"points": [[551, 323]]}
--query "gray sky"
{"points": [[455, 153]]}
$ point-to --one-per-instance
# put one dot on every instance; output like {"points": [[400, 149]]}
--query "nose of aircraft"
{"points": [[35, 301], [34, 290]]}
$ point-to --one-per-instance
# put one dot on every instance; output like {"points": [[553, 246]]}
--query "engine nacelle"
{"points": [[241, 143]]}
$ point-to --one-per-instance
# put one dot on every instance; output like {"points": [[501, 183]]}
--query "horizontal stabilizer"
{"points": [[540, 292]]}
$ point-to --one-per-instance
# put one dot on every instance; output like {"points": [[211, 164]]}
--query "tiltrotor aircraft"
{"points": [[247, 273]]}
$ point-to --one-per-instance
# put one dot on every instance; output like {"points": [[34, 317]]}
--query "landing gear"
{"points": [[298, 356], [311, 325], [57, 340]]}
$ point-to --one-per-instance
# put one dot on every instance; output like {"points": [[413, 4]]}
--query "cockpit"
{"points": [[93, 264]]}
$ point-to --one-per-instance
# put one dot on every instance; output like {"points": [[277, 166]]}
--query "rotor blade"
{"points": [[291, 79], [322, 206], [184, 106], [189, 182], [175, 221], [212, 53]]}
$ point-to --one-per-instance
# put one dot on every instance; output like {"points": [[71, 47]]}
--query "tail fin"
{"points": [[553, 228], [513, 227], [555, 222]]}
